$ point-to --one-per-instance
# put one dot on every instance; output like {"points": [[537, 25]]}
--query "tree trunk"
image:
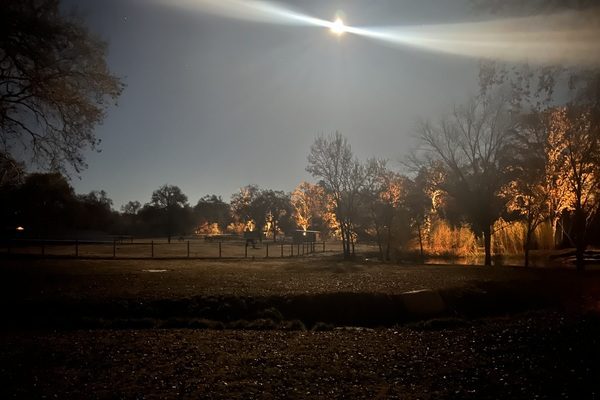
{"points": [[487, 244], [420, 240], [389, 241], [580, 242], [379, 244], [345, 244], [527, 245]]}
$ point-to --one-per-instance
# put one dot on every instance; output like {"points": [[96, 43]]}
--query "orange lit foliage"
{"points": [[509, 237], [236, 228], [446, 240], [330, 220], [308, 203], [207, 228], [576, 158]]}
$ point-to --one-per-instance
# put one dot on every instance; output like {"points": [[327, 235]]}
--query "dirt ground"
{"points": [[160, 279], [543, 342]]}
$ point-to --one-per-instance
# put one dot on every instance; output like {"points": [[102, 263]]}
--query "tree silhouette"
{"points": [[54, 84], [172, 202]]}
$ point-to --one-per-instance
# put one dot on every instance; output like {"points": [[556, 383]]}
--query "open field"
{"points": [[279, 329], [160, 248]]}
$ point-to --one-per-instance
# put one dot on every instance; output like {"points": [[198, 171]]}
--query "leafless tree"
{"points": [[470, 143], [344, 177]]}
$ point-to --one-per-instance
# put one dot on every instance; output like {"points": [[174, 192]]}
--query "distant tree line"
{"points": [[514, 169]]}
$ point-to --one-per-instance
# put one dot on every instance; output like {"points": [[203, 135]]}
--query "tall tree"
{"points": [[276, 209], [243, 208], [55, 85], [172, 202], [308, 202], [385, 198], [343, 177], [529, 193], [576, 158], [471, 144]]}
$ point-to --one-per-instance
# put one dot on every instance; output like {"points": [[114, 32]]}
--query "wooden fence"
{"points": [[161, 249]]}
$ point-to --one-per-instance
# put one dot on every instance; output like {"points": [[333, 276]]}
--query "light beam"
{"points": [[569, 37]]}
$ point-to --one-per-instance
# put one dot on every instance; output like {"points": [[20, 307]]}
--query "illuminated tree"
{"points": [[274, 211], [55, 85], [242, 207], [385, 198], [471, 145], [212, 213], [423, 199], [343, 178], [308, 202], [529, 194], [575, 158], [262, 210]]}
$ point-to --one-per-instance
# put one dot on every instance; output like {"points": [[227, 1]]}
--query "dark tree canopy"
{"points": [[55, 85]]}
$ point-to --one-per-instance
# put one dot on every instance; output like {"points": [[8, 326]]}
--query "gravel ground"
{"points": [[541, 355]]}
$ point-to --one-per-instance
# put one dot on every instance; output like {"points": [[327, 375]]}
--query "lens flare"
{"points": [[338, 27], [568, 38]]}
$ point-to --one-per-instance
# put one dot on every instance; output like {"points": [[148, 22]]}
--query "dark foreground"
{"points": [[541, 355], [315, 328]]}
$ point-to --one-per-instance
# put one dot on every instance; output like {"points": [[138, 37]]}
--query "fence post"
{"points": [[188, 249], [246, 250], [219, 249], [76, 248], [152, 248], [267, 255], [281, 250], [114, 248], [323, 246], [291, 249], [298, 249]]}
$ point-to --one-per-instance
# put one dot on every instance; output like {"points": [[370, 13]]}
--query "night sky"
{"points": [[213, 104]]}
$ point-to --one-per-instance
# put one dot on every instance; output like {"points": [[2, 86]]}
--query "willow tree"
{"points": [[471, 144], [55, 85]]}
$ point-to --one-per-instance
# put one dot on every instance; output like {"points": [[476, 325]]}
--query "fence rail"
{"points": [[132, 249]]}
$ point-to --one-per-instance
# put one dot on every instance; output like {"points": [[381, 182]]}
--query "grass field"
{"points": [[313, 327]]}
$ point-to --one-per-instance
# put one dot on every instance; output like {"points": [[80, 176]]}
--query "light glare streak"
{"points": [[569, 38]]}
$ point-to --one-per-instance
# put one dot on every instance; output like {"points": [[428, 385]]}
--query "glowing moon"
{"points": [[338, 27]]}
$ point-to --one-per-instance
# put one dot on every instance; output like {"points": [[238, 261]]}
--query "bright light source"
{"points": [[338, 27], [20, 228]]}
